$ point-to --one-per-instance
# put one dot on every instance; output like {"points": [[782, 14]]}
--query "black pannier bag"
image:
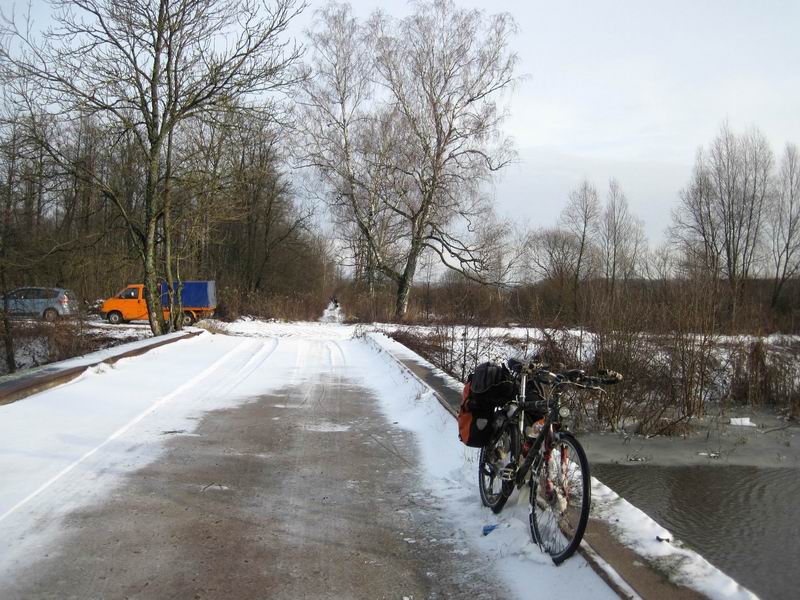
{"points": [[491, 385]]}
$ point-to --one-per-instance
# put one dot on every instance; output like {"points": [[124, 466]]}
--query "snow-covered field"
{"points": [[36, 342], [72, 445]]}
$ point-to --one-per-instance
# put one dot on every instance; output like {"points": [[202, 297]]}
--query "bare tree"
{"points": [[695, 227], [142, 68], [621, 238], [784, 222], [580, 217], [404, 125], [740, 174], [721, 216], [554, 255]]}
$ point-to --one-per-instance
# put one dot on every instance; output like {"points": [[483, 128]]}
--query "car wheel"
{"points": [[115, 318], [188, 318], [50, 314]]}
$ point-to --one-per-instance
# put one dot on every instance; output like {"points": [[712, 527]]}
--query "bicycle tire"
{"points": [[500, 453], [558, 517]]}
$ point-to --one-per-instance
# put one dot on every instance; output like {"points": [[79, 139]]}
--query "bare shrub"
{"points": [[457, 350], [234, 303]]}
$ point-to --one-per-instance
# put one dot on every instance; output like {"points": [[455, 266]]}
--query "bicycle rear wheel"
{"points": [[560, 497], [500, 454]]}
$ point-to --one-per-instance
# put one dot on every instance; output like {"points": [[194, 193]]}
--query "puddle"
{"points": [[742, 519]]}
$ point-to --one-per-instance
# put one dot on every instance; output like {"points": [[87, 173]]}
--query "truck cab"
{"points": [[127, 305]]}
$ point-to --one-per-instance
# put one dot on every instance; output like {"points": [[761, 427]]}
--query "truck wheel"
{"points": [[50, 314], [188, 318], [115, 318]]}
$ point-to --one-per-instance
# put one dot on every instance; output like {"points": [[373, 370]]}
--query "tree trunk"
{"points": [[175, 322], [8, 338], [151, 293], [406, 280], [403, 293]]}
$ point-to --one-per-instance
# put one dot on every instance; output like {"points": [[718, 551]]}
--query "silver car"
{"points": [[47, 303]]}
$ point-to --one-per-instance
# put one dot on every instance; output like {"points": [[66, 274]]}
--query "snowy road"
{"points": [[299, 464]]}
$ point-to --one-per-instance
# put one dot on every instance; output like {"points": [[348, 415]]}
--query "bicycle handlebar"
{"points": [[537, 405], [576, 377]]}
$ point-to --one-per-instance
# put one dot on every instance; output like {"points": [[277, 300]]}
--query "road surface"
{"points": [[237, 467]]}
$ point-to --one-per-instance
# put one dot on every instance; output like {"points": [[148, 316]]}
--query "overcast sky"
{"points": [[630, 89]]}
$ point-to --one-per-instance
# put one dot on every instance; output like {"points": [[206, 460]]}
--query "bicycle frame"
{"points": [[550, 394], [549, 387]]}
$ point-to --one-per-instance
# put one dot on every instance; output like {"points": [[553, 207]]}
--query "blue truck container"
{"points": [[198, 298]]}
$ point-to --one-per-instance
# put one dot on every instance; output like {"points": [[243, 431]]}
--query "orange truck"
{"points": [[198, 298]]}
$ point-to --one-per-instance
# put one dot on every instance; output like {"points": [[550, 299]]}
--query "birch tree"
{"points": [[405, 127]]}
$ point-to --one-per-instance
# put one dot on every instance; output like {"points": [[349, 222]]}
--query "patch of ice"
{"points": [[742, 422], [325, 427]]}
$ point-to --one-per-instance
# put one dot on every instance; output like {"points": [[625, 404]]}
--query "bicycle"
{"points": [[531, 445]]}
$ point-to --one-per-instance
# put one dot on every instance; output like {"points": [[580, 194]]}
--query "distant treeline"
{"points": [[357, 168]]}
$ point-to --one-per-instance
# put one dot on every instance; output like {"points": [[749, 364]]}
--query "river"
{"points": [[743, 520]]}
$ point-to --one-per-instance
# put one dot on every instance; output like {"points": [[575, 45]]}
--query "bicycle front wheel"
{"points": [[499, 456], [561, 493]]}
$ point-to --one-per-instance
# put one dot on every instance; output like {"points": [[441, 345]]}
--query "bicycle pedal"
{"points": [[508, 474]]}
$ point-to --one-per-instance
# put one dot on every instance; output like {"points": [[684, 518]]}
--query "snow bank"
{"points": [[32, 349]]}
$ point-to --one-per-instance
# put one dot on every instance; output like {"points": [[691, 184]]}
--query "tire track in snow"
{"points": [[331, 362], [257, 360], [338, 347], [163, 400]]}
